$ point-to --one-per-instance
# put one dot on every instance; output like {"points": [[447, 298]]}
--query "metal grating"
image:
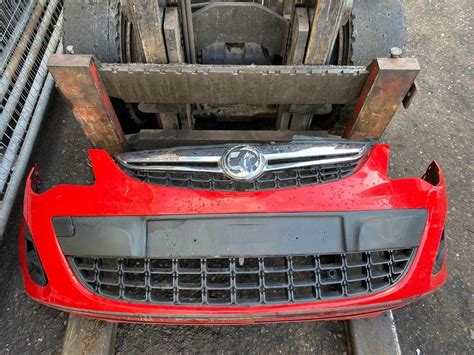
{"points": [[243, 281], [30, 36], [270, 180]]}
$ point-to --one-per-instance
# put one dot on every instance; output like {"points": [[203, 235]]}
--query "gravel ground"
{"points": [[439, 125], [317, 337]]}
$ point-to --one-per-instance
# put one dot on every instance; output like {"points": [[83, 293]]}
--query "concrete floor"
{"points": [[439, 125]]}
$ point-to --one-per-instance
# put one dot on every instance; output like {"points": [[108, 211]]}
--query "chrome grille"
{"points": [[243, 281], [287, 165], [268, 181]]}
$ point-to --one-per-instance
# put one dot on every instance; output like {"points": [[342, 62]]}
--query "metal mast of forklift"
{"points": [[378, 89]]}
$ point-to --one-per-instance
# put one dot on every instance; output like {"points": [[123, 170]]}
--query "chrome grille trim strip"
{"points": [[311, 163], [279, 156], [173, 168]]}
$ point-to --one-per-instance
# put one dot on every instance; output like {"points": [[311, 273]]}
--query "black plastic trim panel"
{"points": [[247, 235]]}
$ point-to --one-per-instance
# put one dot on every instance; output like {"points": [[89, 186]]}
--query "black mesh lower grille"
{"points": [[243, 281], [268, 181]]}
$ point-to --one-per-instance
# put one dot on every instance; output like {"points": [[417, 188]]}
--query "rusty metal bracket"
{"points": [[78, 79], [389, 82]]}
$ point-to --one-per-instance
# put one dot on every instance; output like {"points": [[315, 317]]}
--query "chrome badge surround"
{"points": [[243, 163]]}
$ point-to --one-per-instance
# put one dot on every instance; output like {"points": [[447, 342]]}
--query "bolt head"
{"points": [[395, 52]]}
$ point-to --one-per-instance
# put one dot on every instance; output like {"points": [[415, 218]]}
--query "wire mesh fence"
{"points": [[31, 31], [14, 15]]}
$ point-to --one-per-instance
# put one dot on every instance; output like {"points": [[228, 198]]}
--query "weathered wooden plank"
{"points": [[300, 121], [88, 336], [215, 84], [283, 117], [299, 37], [288, 8], [78, 80], [169, 120], [376, 335], [327, 20], [388, 84], [295, 54], [172, 32], [146, 18]]}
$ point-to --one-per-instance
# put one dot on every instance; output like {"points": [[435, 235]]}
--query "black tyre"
{"points": [[94, 27]]}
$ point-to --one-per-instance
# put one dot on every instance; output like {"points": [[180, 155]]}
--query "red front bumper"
{"points": [[116, 194]]}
